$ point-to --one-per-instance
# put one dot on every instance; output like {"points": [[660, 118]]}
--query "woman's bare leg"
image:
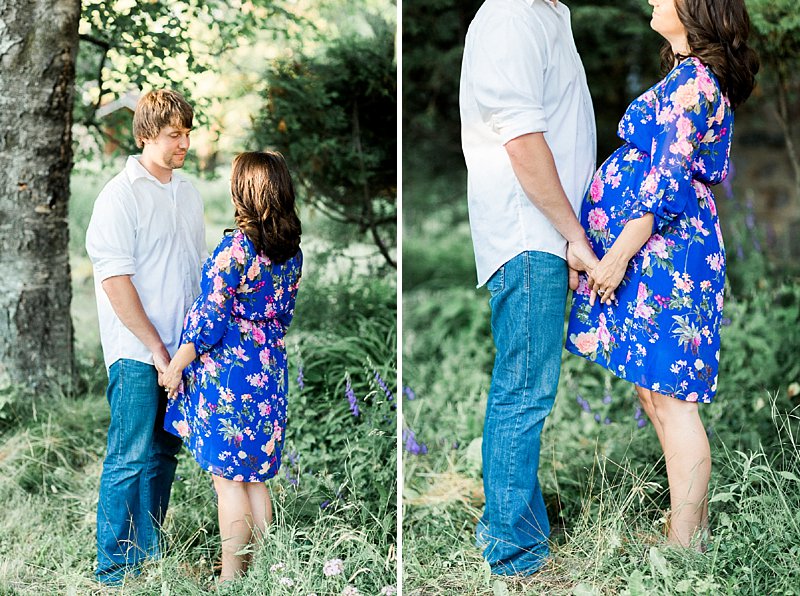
{"points": [[646, 399], [235, 521], [260, 506], [688, 458]]}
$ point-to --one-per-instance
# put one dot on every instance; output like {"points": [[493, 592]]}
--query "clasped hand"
{"points": [[604, 276], [168, 376]]}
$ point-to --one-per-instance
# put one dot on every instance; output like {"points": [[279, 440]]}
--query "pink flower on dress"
{"points": [[692, 396], [223, 260], [650, 183], [687, 95], [264, 356], [658, 245], [643, 311], [182, 427], [641, 293], [596, 189], [681, 147], [254, 270], [715, 262], [258, 336], [238, 478], [706, 85], [237, 252], [684, 126], [598, 219], [586, 342]]}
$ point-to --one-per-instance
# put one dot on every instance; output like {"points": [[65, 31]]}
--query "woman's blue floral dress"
{"points": [[230, 409], [663, 334]]}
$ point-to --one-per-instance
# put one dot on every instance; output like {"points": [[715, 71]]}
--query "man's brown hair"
{"points": [[157, 109]]}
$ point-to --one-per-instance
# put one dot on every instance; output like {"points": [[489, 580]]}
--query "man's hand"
{"points": [[161, 361], [580, 256]]}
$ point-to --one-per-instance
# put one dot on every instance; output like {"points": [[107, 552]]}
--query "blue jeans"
{"points": [[137, 472], [528, 298]]}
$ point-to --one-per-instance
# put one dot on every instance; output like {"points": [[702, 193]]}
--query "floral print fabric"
{"points": [[230, 409], [663, 333]]}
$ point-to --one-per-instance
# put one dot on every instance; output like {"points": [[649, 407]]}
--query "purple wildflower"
{"points": [[325, 504], [597, 417], [300, 382], [607, 420], [583, 403], [607, 398], [351, 398], [410, 395], [642, 423], [411, 444], [382, 385], [725, 321]]}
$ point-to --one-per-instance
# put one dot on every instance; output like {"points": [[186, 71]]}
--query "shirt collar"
{"points": [[135, 170]]}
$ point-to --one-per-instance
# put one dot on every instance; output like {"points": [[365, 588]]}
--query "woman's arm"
{"points": [[172, 377], [609, 272]]}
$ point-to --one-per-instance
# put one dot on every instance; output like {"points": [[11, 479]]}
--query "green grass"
{"points": [[335, 500], [605, 485]]}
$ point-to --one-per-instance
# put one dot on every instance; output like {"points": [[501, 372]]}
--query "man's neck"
{"points": [[163, 175]]}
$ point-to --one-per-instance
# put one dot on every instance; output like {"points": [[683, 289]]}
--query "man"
{"points": [[146, 240], [528, 137]]}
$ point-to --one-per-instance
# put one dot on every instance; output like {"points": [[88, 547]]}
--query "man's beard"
{"points": [[175, 161]]}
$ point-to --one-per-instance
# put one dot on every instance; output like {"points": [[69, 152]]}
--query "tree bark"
{"points": [[38, 44]]}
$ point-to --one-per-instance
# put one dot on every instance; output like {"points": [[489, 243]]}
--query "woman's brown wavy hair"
{"points": [[264, 204], [717, 32]]}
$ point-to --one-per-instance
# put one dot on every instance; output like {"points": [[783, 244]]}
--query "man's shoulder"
{"points": [[117, 189], [498, 18]]}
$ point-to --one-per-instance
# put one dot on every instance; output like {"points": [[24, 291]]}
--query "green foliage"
{"points": [[352, 348], [145, 45], [777, 24], [334, 117]]}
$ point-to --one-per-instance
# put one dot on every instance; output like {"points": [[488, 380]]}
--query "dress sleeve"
{"points": [[682, 114], [208, 318], [292, 283], [508, 66]]}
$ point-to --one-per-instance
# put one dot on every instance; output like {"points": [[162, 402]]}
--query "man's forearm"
{"points": [[128, 307], [535, 169]]}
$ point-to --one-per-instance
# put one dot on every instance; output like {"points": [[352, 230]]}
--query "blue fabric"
{"points": [[663, 333], [528, 298], [137, 472], [230, 409]]}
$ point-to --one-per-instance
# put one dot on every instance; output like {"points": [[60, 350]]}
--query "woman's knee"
{"points": [[669, 408]]}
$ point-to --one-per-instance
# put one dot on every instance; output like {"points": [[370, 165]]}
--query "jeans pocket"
{"points": [[497, 282]]}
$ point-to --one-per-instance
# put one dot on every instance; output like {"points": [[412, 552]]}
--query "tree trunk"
{"points": [[38, 44]]}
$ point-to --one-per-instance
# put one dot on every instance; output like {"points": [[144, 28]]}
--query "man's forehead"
{"points": [[175, 127]]}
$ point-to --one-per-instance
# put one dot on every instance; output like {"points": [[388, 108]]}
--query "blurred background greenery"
{"points": [[604, 483]]}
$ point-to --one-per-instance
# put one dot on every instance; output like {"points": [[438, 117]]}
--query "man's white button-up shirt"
{"points": [[521, 74], [155, 233]]}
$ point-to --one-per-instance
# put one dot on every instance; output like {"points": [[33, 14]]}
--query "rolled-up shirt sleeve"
{"points": [[110, 238], [508, 75]]}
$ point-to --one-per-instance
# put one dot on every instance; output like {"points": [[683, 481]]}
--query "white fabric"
{"points": [[155, 233], [521, 74]]}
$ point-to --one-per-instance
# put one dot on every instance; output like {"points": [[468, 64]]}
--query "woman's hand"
{"points": [[170, 379], [606, 277]]}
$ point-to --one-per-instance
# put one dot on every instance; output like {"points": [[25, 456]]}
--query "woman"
{"points": [[230, 409], [651, 218]]}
